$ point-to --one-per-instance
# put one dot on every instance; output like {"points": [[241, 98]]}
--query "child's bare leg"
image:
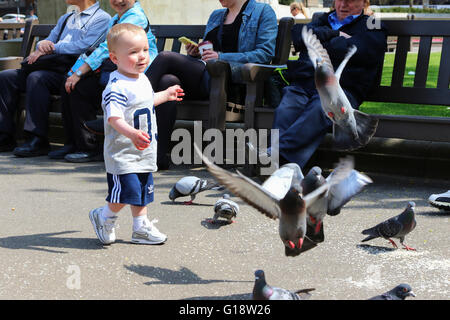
{"points": [[116, 207], [137, 211]]}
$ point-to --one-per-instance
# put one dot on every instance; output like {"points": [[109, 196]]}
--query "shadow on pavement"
{"points": [[45, 241], [375, 249], [242, 296], [167, 276]]}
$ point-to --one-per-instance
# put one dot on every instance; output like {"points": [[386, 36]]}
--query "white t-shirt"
{"points": [[132, 100]]}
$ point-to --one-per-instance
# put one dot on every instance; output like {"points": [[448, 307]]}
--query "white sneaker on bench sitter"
{"points": [[440, 200]]}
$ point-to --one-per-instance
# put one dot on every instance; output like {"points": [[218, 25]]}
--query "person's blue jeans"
{"points": [[302, 123]]}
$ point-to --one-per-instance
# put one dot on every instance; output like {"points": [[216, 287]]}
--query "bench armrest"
{"points": [[254, 72], [219, 72]]}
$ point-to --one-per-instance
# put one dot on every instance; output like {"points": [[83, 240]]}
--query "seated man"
{"points": [[73, 34], [299, 117]]}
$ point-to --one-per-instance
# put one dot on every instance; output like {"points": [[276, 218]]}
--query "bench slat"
{"points": [[423, 60], [401, 54], [431, 96], [444, 68]]}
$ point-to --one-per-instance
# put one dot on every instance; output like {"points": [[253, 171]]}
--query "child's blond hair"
{"points": [[118, 30]]}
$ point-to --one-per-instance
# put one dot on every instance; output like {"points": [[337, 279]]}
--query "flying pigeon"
{"points": [[335, 198], [352, 128], [342, 192], [395, 227], [283, 200], [225, 208], [317, 210], [190, 186], [400, 292], [263, 291]]}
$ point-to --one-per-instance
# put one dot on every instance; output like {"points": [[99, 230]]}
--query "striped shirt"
{"points": [[131, 100], [81, 30]]}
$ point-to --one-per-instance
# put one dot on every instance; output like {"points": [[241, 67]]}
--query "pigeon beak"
{"points": [[317, 229], [291, 244], [412, 294], [300, 243]]}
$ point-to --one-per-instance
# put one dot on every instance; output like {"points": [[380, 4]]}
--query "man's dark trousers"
{"points": [[81, 105], [302, 122], [38, 87]]}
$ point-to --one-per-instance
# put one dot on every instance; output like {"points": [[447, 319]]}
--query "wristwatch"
{"points": [[78, 73]]}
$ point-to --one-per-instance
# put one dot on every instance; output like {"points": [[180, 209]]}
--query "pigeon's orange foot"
{"points": [[408, 248], [188, 202], [393, 243]]}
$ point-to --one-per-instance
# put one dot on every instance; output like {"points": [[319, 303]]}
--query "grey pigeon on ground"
{"points": [[190, 186], [352, 128], [400, 292], [282, 200], [263, 291], [225, 208], [395, 227]]}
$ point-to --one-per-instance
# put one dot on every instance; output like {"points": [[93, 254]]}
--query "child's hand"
{"points": [[140, 139], [175, 93]]}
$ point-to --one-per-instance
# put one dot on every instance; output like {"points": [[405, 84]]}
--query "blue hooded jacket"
{"points": [[257, 34], [361, 70]]}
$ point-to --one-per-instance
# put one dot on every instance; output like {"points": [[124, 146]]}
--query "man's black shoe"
{"points": [[85, 156], [95, 126], [34, 147], [61, 152], [7, 143]]}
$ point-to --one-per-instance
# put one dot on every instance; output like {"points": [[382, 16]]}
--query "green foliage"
{"points": [[285, 2], [413, 10]]}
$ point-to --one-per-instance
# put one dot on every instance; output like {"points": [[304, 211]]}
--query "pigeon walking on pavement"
{"points": [[225, 208], [395, 227], [400, 292], [352, 128], [263, 291], [190, 186], [281, 200]]}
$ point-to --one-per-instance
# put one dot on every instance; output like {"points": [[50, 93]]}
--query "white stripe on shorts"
{"points": [[115, 192]]}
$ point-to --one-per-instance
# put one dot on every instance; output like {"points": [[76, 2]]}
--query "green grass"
{"points": [[408, 109]]}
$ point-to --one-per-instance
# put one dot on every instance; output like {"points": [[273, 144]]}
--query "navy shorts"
{"points": [[133, 188]]}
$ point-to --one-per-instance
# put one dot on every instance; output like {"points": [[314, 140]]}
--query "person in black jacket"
{"points": [[299, 117]]}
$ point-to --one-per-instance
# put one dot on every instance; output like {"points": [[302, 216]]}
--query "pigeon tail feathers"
{"points": [[366, 125]]}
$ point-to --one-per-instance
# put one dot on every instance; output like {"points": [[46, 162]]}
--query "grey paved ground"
{"points": [[48, 249]]}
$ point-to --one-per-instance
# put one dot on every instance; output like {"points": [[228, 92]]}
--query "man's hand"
{"points": [[34, 56], [46, 47]]}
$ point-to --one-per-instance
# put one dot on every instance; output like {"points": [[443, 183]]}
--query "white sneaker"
{"points": [[104, 228], [441, 200], [148, 234]]}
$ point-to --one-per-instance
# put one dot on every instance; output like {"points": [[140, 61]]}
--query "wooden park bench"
{"points": [[213, 112]]}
